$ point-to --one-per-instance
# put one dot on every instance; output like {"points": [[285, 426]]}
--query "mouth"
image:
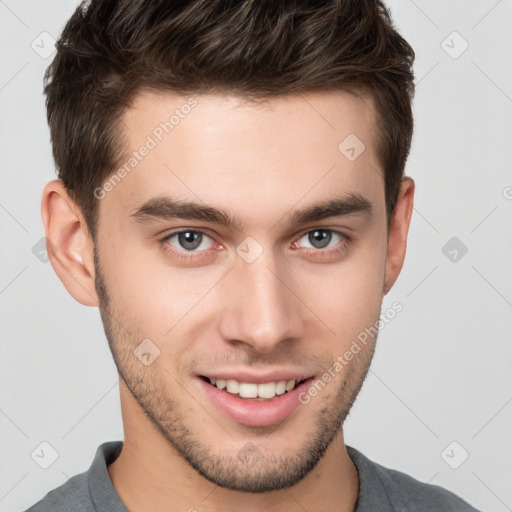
{"points": [[255, 404], [253, 391]]}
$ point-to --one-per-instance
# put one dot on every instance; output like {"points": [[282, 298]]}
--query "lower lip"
{"points": [[254, 413]]}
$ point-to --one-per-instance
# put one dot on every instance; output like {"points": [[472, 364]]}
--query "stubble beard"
{"points": [[257, 473]]}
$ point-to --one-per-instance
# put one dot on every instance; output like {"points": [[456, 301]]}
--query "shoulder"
{"points": [[404, 492], [421, 496], [88, 491], [75, 493]]}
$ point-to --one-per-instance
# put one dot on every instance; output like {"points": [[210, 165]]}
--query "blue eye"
{"points": [[321, 238], [189, 240], [195, 245]]}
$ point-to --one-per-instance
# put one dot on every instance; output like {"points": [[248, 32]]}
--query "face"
{"points": [[260, 282]]}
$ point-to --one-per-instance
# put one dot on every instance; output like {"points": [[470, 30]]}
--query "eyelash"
{"points": [[315, 253]]}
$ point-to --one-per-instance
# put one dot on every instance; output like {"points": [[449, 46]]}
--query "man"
{"points": [[232, 197]]}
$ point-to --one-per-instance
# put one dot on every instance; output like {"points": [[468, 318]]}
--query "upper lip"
{"points": [[259, 378]]}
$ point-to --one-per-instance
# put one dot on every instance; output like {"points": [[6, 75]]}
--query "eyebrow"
{"points": [[167, 208]]}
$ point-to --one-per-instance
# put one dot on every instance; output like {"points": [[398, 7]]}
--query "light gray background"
{"points": [[442, 367]]}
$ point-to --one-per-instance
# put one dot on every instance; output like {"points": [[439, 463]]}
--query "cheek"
{"points": [[348, 297], [349, 309], [159, 300]]}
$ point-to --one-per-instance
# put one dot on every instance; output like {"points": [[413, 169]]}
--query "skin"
{"points": [[296, 306]]}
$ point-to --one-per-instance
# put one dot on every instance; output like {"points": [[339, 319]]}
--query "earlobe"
{"points": [[69, 244], [398, 231]]}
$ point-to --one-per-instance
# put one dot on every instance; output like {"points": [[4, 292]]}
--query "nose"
{"points": [[260, 307]]}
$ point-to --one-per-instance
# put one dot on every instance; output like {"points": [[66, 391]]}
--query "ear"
{"points": [[68, 242], [399, 227]]}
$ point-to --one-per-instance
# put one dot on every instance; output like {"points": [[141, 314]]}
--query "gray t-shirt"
{"points": [[380, 489]]}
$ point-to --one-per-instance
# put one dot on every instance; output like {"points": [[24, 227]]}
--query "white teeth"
{"points": [[267, 390], [232, 386], [290, 385], [280, 387], [250, 390], [246, 390]]}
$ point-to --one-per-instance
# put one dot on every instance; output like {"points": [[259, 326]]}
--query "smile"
{"points": [[251, 390], [255, 404]]}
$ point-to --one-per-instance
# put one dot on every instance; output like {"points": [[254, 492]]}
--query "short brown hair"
{"points": [[111, 49]]}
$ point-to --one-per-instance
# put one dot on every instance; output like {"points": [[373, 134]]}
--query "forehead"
{"points": [[270, 122], [254, 158]]}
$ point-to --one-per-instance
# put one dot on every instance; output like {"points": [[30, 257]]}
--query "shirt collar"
{"points": [[103, 494], [372, 492]]}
